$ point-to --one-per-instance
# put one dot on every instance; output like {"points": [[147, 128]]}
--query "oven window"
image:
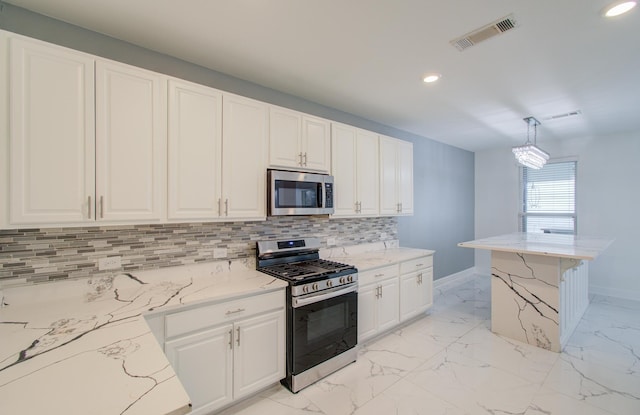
{"points": [[326, 321], [290, 194]]}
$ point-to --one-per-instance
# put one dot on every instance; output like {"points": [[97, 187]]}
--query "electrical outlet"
{"points": [[112, 262], [219, 253], [383, 235], [331, 241]]}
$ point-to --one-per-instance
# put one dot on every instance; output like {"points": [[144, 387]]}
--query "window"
{"points": [[548, 198]]}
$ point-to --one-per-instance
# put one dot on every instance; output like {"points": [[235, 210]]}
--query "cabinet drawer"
{"points": [[228, 311], [416, 264], [377, 274]]}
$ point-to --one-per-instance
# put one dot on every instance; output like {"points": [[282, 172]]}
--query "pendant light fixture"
{"points": [[529, 155]]}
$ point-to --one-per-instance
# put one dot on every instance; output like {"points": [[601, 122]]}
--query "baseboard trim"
{"points": [[614, 292], [453, 280]]}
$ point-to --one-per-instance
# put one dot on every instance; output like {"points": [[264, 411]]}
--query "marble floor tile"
{"points": [[450, 363], [597, 385], [405, 398], [473, 385], [524, 360], [547, 402]]}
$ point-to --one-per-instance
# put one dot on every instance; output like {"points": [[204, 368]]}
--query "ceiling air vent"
{"points": [[492, 29]]}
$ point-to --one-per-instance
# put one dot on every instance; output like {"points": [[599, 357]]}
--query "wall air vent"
{"points": [[492, 29]]}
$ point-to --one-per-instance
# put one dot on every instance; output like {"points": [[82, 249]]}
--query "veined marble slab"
{"points": [[557, 245], [83, 346], [373, 255]]}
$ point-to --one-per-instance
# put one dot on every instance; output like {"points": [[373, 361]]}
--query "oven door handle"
{"points": [[314, 298]]}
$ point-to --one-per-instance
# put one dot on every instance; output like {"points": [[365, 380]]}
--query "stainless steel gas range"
{"points": [[322, 308]]}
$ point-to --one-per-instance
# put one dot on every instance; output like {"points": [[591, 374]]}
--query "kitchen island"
{"points": [[539, 284]]}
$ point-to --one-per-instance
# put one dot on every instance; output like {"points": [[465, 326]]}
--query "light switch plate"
{"points": [[331, 241], [112, 262], [383, 235], [219, 253]]}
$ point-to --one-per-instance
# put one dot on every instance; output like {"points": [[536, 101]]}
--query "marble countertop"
{"points": [[84, 347], [374, 255], [557, 245]]}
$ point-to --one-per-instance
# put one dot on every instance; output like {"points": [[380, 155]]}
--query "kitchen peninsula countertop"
{"points": [[556, 245], [84, 347]]}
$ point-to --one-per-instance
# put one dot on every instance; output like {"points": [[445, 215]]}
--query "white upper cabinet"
{"points": [[396, 177], [131, 143], [298, 141], [244, 174], [355, 168], [51, 134], [195, 151]]}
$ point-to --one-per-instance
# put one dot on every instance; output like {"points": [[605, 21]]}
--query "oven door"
{"points": [[324, 328]]}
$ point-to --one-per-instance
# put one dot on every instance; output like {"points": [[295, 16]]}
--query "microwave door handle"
{"points": [[321, 195]]}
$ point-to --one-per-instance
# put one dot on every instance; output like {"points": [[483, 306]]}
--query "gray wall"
{"points": [[443, 175]]}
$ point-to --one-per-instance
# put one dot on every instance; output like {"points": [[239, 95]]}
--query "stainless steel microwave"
{"points": [[299, 193]]}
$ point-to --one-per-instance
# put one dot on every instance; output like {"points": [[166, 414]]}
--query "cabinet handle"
{"points": [[231, 339], [101, 207], [419, 265], [419, 276], [239, 310], [219, 207], [300, 157], [379, 275], [238, 336], [359, 208], [226, 207], [305, 158], [89, 207], [381, 291]]}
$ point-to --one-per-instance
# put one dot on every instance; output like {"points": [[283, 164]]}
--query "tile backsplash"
{"points": [[29, 256]]}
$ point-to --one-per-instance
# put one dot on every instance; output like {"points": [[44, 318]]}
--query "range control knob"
{"points": [[350, 278], [314, 286], [329, 283], [305, 289], [342, 280]]}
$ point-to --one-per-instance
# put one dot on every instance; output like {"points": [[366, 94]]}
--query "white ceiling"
{"points": [[367, 58]]}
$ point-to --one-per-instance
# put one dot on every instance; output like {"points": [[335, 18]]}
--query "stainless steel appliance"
{"points": [[322, 308], [298, 193]]}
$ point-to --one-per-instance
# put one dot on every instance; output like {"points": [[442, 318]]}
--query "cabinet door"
{"points": [[52, 138], [244, 174], [316, 144], [411, 297], [388, 304], [367, 311], [130, 142], [405, 177], [259, 352], [195, 151], [388, 177], [343, 148], [367, 173], [285, 129], [203, 363]]}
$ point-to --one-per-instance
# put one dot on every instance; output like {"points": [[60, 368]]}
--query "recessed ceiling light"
{"points": [[431, 77], [618, 8]]}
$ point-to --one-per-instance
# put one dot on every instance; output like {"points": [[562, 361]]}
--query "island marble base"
{"points": [[537, 299]]}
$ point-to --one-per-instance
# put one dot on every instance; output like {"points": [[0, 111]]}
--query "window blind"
{"points": [[549, 198]]}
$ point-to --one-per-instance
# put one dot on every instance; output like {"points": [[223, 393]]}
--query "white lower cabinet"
{"points": [[378, 296], [416, 287], [226, 351], [204, 364], [393, 294]]}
